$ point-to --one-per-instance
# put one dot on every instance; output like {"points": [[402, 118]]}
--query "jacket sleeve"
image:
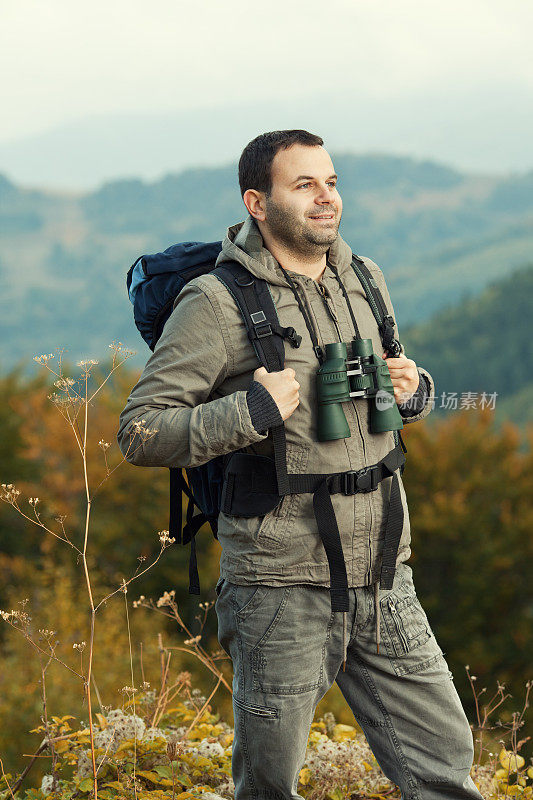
{"points": [[171, 397], [426, 386]]}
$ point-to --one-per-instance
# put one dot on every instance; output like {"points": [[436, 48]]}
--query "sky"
{"points": [[67, 61]]}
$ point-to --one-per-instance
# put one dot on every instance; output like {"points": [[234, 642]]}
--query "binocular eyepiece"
{"points": [[364, 375]]}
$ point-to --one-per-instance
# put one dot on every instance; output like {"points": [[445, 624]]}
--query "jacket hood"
{"points": [[243, 243]]}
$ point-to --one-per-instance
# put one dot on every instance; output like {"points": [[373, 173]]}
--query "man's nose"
{"points": [[324, 194]]}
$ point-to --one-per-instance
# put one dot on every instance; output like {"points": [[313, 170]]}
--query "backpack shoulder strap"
{"points": [[256, 305], [254, 300], [385, 320]]}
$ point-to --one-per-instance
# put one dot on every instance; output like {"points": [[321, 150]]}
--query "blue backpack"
{"points": [[153, 283]]}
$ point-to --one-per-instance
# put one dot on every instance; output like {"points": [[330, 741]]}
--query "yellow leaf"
{"points": [[510, 761], [152, 776], [530, 772], [501, 773], [202, 761], [367, 766], [343, 732], [305, 774], [101, 721], [316, 736]]}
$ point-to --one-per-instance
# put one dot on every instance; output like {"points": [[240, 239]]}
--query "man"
{"points": [[275, 617]]}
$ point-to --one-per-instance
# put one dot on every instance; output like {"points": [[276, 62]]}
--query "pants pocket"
{"points": [[408, 637], [286, 640]]}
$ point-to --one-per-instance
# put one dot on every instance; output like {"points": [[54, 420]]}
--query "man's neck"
{"points": [[313, 267]]}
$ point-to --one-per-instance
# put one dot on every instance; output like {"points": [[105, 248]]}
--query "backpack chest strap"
{"points": [[250, 489]]}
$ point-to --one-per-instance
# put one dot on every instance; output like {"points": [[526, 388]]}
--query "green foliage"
{"points": [[469, 489], [483, 344]]}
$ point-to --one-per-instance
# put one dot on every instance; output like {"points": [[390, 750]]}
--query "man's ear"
{"points": [[255, 203]]}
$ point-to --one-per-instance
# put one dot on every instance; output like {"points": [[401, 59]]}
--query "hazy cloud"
{"points": [[66, 60]]}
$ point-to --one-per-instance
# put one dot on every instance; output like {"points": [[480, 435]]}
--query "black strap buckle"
{"points": [[262, 328], [319, 352], [260, 331], [294, 339], [360, 480]]}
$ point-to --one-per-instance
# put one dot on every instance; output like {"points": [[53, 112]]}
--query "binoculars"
{"points": [[364, 375]]}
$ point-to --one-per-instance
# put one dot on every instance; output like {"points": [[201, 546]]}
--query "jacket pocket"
{"points": [[275, 524]]}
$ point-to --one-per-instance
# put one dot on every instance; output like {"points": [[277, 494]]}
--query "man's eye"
{"points": [[303, 185]]}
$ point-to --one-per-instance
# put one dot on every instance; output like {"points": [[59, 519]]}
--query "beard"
{"points": [[299, 235]]}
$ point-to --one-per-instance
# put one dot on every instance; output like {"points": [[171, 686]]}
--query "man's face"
{"points": [[304, 210]]}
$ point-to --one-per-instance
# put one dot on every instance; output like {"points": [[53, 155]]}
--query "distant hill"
{"points": [[439, 235], [483, 344]]}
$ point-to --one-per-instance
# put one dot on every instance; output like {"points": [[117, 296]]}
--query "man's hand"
{"points": [[283, 387], [404, 376]]}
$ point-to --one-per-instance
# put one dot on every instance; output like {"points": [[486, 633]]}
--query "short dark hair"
{"points": [[255, 163]]}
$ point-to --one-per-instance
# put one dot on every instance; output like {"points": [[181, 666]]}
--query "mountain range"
{"points": [[440, 236]]}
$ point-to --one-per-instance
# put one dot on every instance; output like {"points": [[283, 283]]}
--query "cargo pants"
{"points": [[286, 646]]}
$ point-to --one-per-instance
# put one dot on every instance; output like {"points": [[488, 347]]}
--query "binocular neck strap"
{"points": [[310, 328], [345, 293], [305, 315]]}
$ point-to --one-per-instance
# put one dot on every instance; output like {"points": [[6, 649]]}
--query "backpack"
{"points": [[153, 283]]}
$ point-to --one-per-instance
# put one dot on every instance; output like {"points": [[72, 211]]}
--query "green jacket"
{"points": [[193, 390]]}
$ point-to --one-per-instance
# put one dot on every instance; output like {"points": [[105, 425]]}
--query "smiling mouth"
{"points": [[323, 216]]}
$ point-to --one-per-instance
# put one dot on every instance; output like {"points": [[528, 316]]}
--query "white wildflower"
{"points": [[166, 599], [9, 493], [87, 362], [45, 633], [209, 749], [194, 640], [49, 784], [64, 383], [165, 538]]}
